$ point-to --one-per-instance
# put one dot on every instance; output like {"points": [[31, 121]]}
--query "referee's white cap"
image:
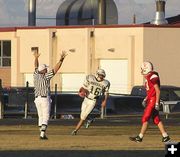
{"points": [[42, 67]]}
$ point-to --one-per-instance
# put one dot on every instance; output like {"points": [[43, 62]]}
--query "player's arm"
{"points": [[58, 64], [106, 95], [157, 89], [36, 56], [103, 104]]}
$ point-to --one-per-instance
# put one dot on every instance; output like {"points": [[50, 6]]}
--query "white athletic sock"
{"points": [[43, 130], [42, 133], [165, 134], [141, 135]]}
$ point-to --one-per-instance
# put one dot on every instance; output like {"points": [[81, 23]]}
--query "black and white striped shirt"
{"points": [[42, 83]]}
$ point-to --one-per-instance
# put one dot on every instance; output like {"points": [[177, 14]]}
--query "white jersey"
{"points": [[96, 88]]}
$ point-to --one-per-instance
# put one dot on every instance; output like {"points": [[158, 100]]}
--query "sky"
{"points": [[15, 12]]}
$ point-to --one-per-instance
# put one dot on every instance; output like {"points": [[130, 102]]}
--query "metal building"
{"points": [[87, 12]]}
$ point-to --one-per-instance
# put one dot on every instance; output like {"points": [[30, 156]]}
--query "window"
{"points": [[5, 53]]}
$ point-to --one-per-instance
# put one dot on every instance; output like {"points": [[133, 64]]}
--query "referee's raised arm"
{"points": [[36, 56], [58, 64]]}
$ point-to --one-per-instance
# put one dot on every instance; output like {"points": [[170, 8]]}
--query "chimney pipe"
{"points": [[101, 12], [160, 13], [31, 12]]}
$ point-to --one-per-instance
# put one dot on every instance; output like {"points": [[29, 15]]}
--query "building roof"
{"points": [[174, 19], [172, 24]]}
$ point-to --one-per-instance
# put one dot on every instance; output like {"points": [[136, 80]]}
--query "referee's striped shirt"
{"points": [[42, 83]]}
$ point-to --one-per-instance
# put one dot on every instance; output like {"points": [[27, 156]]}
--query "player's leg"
{"points": [[46, 107], [78, 126], [145, 118], [165, 136], [89, 121], [91, 117], [39, 111], [158, 122], [80, 123], [86, 108]]}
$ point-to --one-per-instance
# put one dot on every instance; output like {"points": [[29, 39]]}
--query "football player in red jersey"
{"points": [[151, 102]]}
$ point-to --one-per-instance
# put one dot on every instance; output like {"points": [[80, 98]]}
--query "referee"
{"points": [[43, 101]]}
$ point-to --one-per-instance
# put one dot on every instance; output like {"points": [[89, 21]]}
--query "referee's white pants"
{"points": [[87, 107], [43, 106]]}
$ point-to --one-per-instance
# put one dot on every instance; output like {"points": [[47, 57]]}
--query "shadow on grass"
{"points": [[79, 153]]}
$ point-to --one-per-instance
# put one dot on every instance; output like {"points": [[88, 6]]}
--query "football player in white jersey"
{"points": [[96, 86]]}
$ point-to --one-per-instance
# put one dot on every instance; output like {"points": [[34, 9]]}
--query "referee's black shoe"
{"points": [[43, 137]]}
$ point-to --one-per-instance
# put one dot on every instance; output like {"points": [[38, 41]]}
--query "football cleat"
{"points": [[74, 132], [136, 139], [166, 139], [43, 137], [88, 123]]}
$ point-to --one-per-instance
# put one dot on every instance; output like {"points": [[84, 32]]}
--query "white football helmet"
{"points": [[101, 72], [146, 67]]}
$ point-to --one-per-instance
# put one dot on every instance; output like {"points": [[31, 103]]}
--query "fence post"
{"points": [[102, 112], [55, 102], [27, 101], [105, 111], [1, 102]]}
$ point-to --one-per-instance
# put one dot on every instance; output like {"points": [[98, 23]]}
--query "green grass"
{"points": [[26, 137]]}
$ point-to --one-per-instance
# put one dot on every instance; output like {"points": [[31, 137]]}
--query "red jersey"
{"points": [[150, 80]]}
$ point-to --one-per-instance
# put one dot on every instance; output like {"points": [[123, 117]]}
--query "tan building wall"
{"points": [[88, 45], [5, 72], [127, 44], [161, 46], [5, 76]]}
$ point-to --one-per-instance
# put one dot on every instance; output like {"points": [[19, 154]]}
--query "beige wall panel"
{"points": [[38, 37], [111, 39], [127, 44], [136, 59], [75, 42], [5, 76], [161, 46], [7, 35], [16, 76]]}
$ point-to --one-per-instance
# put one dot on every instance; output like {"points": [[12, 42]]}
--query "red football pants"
{"points": [[151, 111]]}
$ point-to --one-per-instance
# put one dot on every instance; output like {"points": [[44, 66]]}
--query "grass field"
{"points": [[111, 140]]}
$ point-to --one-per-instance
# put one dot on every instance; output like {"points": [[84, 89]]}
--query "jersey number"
{"points": [[96, 91]]}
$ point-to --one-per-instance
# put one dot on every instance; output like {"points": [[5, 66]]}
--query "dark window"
{"points": [[5, 53]]}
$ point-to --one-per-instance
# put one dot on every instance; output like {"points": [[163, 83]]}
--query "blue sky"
{"points": [[14, 12]]}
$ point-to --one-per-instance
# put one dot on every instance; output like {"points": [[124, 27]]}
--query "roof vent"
{"points": [[160, 13], [31, 12]]}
